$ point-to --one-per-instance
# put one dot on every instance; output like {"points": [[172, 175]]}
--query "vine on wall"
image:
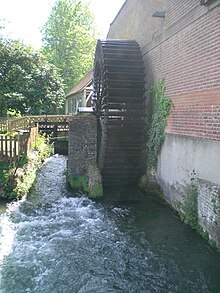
{"points": [[190, 208], [188, 211], [158, 109]]}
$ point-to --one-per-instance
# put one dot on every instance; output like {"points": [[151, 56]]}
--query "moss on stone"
{"points": [[96, 191], [90, 183], [95, 181], [148, 185], [78, 183]]}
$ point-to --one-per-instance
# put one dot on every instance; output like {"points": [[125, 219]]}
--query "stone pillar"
{"points": [[82, 172]]}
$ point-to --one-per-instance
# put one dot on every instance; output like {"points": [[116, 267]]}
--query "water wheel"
{"points": [[120, 109]]}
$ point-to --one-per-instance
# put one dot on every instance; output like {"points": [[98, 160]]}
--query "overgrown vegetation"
{"points": [[42, 147], [158, 109], [16, 179], [189, 210], [4, 174]]}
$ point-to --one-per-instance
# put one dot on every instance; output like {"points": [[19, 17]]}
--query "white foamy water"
{"points": [[55, 243]]}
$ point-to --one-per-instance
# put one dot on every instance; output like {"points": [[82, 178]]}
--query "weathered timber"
{"points": [[120, 109]]}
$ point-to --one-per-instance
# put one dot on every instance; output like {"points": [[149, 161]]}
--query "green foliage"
{"points": [[190, 208], [43, 147], [28, 83], [22, 161], [4, 174], [24, 183], [17, 179], [158, 109], [69, 39], [13, 113]]}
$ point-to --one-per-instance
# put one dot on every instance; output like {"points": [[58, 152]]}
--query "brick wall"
{"points": [[184, 49], [135, 21]]}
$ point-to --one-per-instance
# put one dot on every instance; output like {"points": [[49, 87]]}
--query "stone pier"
{"points": [[82, 172]]}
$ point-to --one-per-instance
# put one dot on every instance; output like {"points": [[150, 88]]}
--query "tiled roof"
{"points": [[81, 84]]}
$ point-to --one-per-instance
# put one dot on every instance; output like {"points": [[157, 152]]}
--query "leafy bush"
{"points": [[158, 109], [42, 147], [17, 179]]}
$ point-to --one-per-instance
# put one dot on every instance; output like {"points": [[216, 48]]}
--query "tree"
{"points": [[28, 83], [69, 39]]}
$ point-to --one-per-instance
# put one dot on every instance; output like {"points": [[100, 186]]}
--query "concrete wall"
{"points": [[180, 156], [184, 159], [183, 49]]}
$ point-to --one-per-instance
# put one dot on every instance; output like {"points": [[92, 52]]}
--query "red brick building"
{"points": [[182, 46]]}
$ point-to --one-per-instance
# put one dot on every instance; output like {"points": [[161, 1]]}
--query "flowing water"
{"points": [[54, 243]]}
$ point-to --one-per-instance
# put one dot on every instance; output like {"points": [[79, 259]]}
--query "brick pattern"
{"points": [[198, 121], [185, 51], [190, 60], [135, 20]]}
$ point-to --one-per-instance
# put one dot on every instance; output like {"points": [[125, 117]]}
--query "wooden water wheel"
{"points": [[119, 104]]}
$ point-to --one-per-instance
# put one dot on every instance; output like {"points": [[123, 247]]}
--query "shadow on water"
{"points": [[186, 260], [126, 242], [3, 205], [122, 195]]}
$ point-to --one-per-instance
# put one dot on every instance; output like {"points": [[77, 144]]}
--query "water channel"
{"points": [[56, 243]]}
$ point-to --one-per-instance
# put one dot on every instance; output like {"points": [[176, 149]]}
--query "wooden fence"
{"points": [[11, 147], [26, 122]]}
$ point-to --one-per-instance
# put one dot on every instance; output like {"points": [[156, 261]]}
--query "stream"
{"points": [[56, 243]]}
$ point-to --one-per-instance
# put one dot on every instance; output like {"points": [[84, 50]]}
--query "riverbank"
{"points": [[18, 177]]}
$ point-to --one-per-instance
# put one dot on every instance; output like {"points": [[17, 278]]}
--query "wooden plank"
{"points": [[6, 147], [15, 147], [2, 146], [10, 149]]}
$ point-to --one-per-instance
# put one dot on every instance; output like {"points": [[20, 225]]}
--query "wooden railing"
{"points": [[30, 121], [11, 147]]}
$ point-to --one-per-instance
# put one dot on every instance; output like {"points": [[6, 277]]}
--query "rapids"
{"points": [[56, 243]]}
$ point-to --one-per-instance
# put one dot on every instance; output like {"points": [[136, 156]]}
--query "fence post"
{"points": [[15, 148], [2, 147], [19, 144], [10, 149]]}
